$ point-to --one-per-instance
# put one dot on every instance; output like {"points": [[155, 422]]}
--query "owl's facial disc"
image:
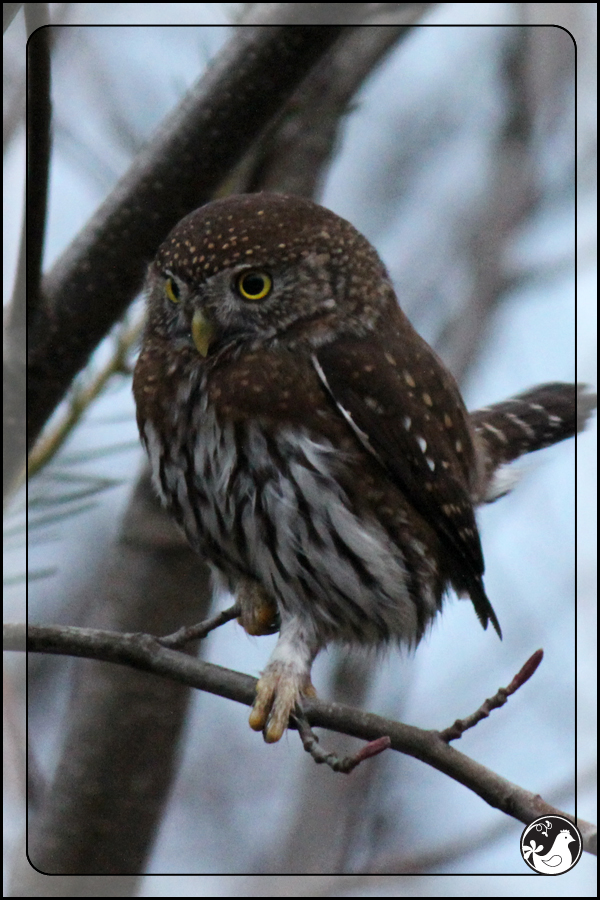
{"points": [[247, 303], [225, 307]]}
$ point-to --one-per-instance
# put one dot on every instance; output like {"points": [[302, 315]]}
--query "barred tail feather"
{"points": [[537, 418]]}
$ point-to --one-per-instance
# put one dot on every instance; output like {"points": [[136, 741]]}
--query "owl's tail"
{"points": [[539, 417]]}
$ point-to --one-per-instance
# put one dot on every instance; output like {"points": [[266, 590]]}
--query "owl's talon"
{"points": [[280, 688], [259, 614]]}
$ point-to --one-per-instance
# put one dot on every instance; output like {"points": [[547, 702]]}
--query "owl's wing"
{"points": [[408, 413]]}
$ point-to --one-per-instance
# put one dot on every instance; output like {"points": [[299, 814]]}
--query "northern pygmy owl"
{"points": [[311, 445]]}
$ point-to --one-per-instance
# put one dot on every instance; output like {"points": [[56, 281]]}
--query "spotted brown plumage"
{"points": [[311, 445]]}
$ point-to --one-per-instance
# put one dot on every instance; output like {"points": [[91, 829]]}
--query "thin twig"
{"points": [[499, 699], [82, 398], [344, 764], [195, 632]]}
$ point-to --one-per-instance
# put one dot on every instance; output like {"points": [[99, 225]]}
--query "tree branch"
{"points": [[293, 154], [499, 699], [29, 263], [143, 651], [39, 113]]}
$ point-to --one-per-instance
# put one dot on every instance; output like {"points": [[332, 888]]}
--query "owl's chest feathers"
{"points": [[254, 476], [272, 505], [285, 495]]}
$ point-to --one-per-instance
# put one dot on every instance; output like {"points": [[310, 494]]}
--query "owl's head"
{"points": [[258, 267]]}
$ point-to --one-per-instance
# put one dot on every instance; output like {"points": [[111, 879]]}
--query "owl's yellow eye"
{"points": [[172, 290], [254, 285]]}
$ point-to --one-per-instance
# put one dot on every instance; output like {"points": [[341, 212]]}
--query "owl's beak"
{"points": [[203, 332]]}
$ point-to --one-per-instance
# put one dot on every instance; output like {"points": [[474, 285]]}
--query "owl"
{"points": [[311, 445]]}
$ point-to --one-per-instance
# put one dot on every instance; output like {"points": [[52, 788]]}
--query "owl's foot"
{"points": [[280, 688], [259, 613]]}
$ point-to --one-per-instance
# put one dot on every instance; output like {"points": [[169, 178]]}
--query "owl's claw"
{"points": [[279, 689], [258, 611]]}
